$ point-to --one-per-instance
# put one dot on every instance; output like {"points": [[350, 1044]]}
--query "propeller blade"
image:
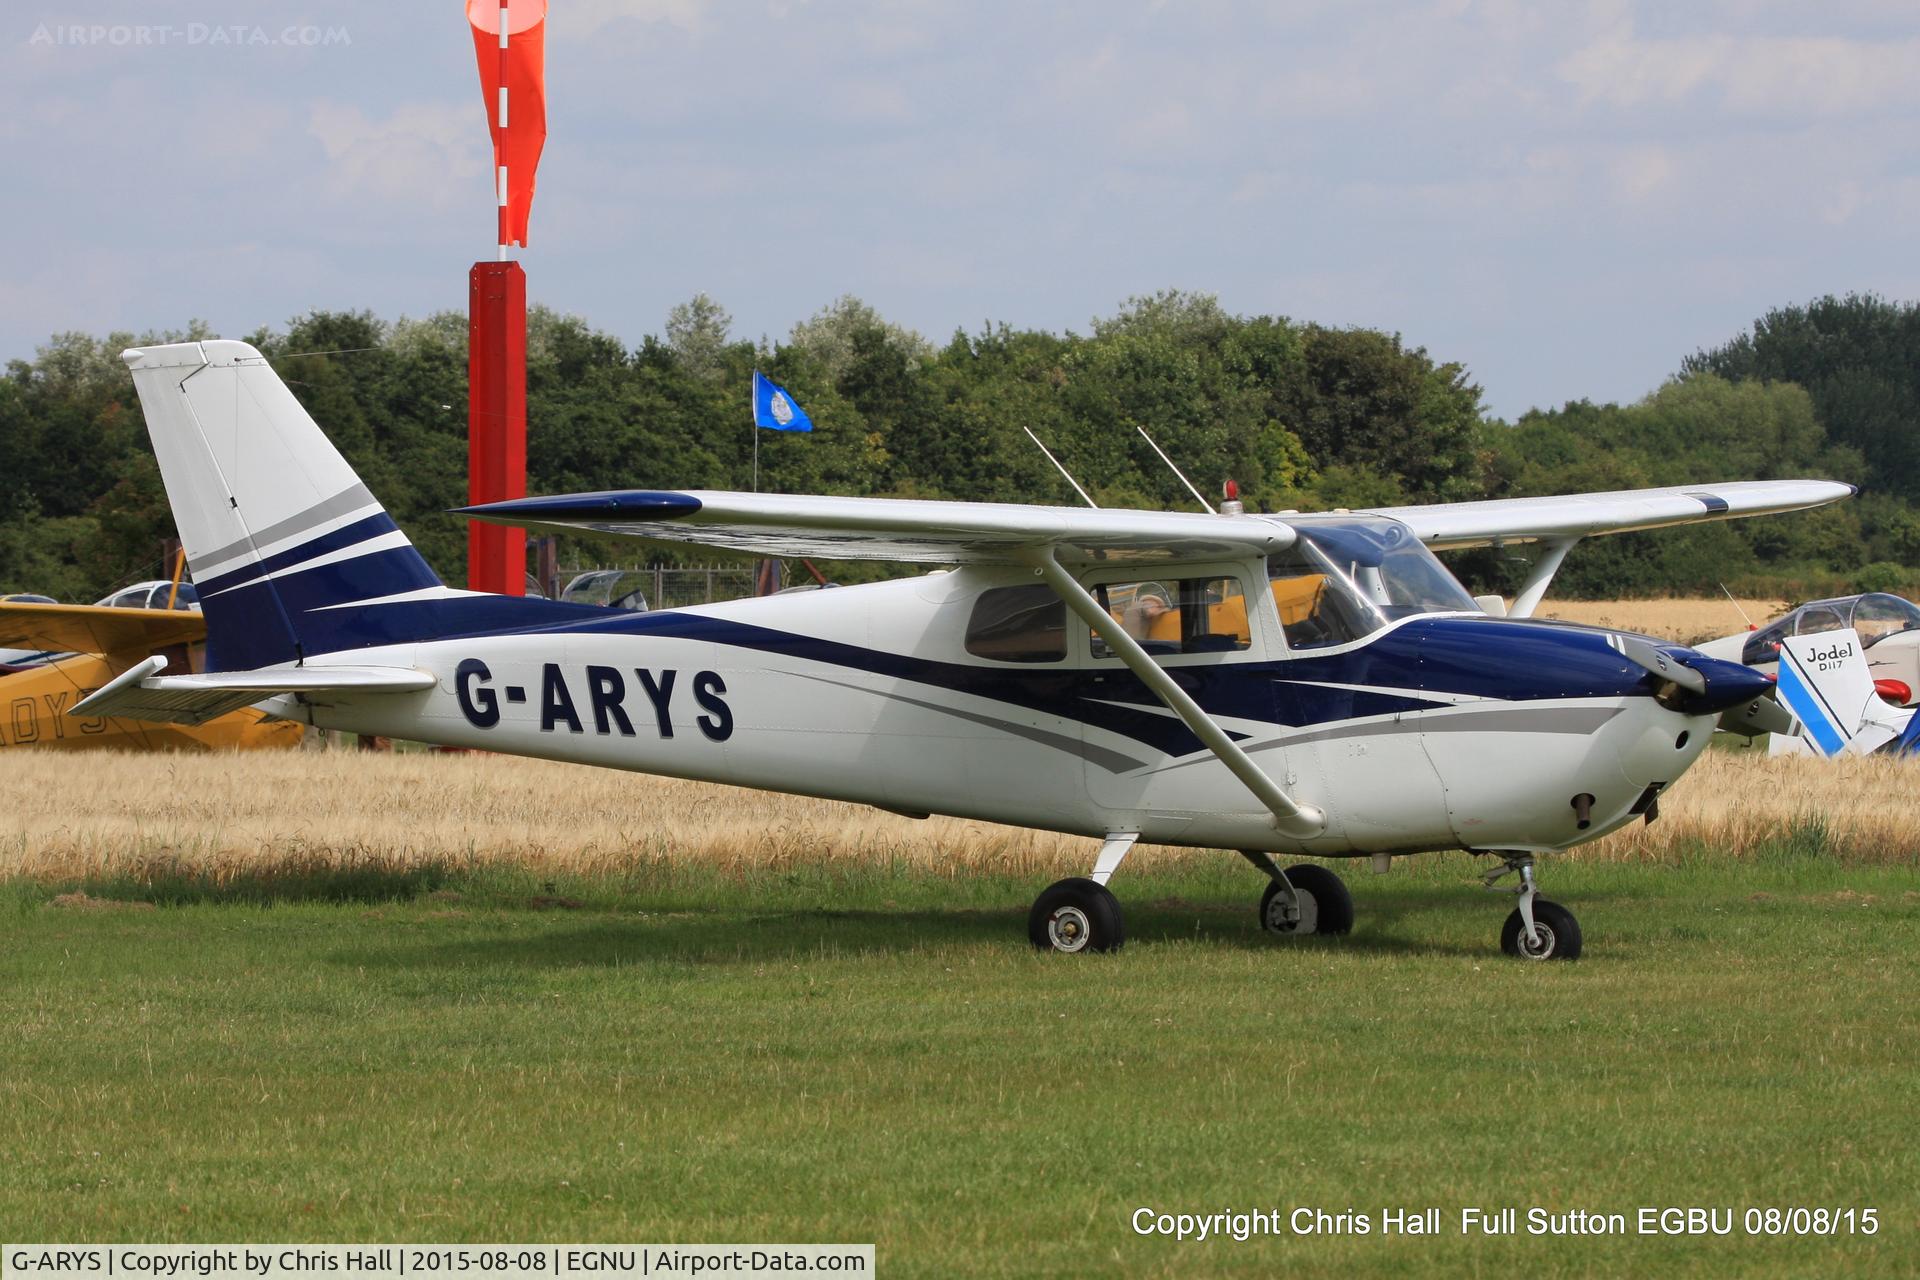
{"points": [[1763, 714], [1639, 652]]}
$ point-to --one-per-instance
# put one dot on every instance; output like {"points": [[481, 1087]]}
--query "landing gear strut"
{"points": [[1537, 929], [1082, 914], [1302, 899]]}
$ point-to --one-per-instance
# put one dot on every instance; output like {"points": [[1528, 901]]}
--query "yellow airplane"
{"points": [[63, 652]]}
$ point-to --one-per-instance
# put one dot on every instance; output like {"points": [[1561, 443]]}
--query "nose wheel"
{"points": [[1536, 929]]}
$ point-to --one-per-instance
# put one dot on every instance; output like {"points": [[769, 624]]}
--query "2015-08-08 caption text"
{"points": [[395, 1261]]}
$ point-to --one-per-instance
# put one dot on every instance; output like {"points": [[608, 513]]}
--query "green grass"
{"points": [[881, 1058]]}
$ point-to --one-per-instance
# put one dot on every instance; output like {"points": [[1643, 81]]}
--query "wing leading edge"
{"points": [[1582, 515], [903, 529], [929, 532]]}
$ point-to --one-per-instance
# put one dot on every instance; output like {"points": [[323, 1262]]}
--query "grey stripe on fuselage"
{"points": [[350, 499], [1505, 718], [1111, 761]]}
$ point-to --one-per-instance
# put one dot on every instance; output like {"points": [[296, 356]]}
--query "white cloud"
{"points": [[588, 17], [1750, 75], [424, 153]]}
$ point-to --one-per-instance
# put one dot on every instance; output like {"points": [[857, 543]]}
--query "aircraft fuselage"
{"points": [[1439, 731]]}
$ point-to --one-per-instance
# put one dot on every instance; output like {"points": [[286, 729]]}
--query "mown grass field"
{"points": [[334, 996]]}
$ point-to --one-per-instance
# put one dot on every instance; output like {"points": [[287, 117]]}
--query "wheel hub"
{"points": [[1068, 929], [1541, 945], [1299, 916]]}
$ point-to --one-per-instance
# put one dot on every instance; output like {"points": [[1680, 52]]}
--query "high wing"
{"points": [[1580, 515], [929, 532], [86, 628], [903, 529]]}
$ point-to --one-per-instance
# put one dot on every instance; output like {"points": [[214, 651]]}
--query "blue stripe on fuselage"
{"points": [[1510, 661]]}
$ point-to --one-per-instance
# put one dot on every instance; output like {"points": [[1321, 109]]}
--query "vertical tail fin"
{"points": [[290, 553]]}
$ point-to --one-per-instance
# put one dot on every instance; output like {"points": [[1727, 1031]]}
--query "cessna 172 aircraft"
{"points": [[1311, 685]]}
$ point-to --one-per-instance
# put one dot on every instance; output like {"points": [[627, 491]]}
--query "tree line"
{"points": [[1304, 416]]}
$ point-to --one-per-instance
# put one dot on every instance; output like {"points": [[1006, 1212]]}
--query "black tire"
{"points": [[1559, 933], [1076, 915], [1325, 905]]}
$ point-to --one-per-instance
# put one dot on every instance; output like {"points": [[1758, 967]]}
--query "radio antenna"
{"points": [[1736, 605], [1169, 461], [1062, 470]]}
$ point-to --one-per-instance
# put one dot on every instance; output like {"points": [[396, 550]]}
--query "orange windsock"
{"points": [[513, 73]]}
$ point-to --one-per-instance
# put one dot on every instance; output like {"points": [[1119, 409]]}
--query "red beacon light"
{"points": [[1232, 506], [1894, 691]]}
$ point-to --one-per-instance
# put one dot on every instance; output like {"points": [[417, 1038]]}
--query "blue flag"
{"points": [[774, 409]]}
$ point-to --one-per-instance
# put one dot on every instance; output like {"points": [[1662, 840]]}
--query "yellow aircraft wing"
{"points": [[88, 628]]}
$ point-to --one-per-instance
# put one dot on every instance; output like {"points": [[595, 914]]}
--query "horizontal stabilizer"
{"points": [[140, 693]]}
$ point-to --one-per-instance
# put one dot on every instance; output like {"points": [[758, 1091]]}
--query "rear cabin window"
{"points": [[1183, 615], [1018, 624]]}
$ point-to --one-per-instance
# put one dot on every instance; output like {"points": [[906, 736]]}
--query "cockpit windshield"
{"points": [[1345, 579]]}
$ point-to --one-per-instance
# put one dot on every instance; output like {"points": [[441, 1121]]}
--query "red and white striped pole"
{"points": [[499, 151], [497, 290]]}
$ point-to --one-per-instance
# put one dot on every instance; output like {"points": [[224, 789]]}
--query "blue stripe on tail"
{"points": [[272, 612]]}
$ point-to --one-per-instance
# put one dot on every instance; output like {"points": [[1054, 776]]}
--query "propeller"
{"points": [[1745, 709], [1654, 659]]}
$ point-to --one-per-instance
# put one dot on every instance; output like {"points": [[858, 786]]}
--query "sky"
{"points": [[1566, 198]]}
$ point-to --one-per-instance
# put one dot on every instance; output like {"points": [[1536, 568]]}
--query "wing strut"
{"points": [[1534, 590], [1289, 815]]}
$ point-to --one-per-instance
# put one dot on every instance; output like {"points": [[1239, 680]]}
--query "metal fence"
{"points": [[672, 588]]}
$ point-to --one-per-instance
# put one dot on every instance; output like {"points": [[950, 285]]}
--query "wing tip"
{"points": [[623, 504]]}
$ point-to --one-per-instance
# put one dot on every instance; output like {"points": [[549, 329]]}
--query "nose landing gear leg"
{"points": [[1537, 929]]}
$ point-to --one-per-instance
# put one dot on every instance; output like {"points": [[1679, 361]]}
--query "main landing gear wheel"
{"points": [[1325, 906], [1076, 915], [1556, 933]]}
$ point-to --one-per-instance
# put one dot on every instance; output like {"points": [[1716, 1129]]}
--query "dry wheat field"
{"points": [[217, 816], [1687, 619]]}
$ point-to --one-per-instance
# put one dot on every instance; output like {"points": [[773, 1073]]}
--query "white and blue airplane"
{"points": [[1295, 685]]}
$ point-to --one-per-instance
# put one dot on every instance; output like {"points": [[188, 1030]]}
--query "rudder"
{"points": [[291, 555]]}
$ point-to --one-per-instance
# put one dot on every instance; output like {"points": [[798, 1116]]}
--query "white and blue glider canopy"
{"points": [[926, 532], [1581, 515]]}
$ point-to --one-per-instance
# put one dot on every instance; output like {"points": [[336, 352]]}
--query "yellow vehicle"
{"points": [[59, 653]]}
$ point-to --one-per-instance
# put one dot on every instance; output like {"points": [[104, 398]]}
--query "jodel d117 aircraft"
{"points": [[1297, 685]]}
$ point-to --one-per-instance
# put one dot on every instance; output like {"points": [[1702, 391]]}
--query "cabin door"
{"points": [[1193, 622]]}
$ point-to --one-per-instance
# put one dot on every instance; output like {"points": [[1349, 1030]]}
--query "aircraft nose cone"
{"points": [[1728, 683]]}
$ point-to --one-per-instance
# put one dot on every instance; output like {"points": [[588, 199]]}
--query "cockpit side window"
{"points": [[1317, 609], [1764, 645], [1018, 624], [1876, 617], [1815, 619]]}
